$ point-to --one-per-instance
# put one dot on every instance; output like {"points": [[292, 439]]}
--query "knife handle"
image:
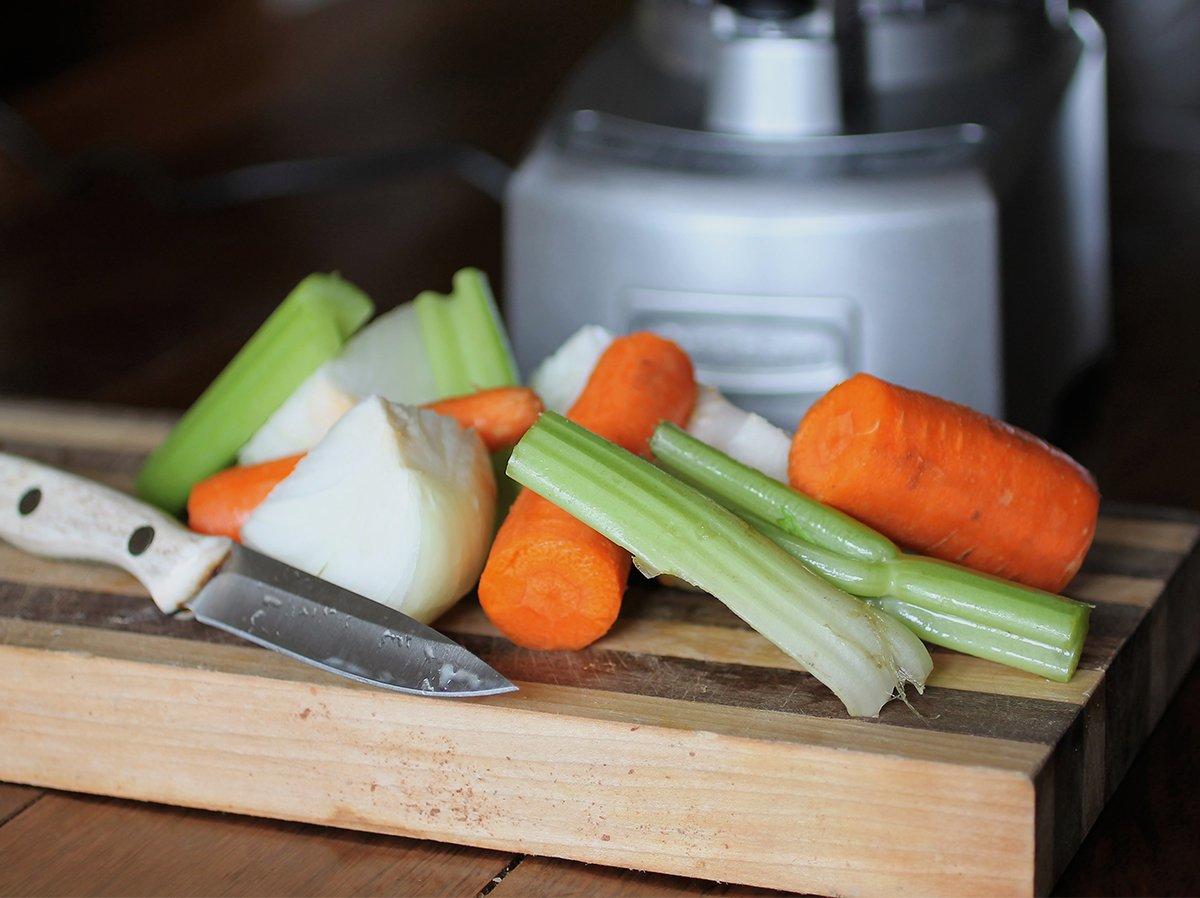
{"points": [[49, 512]]}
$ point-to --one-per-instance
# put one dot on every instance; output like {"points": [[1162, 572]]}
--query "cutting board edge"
{"points": [[83, 745], [1130, 699], [864, 737]]}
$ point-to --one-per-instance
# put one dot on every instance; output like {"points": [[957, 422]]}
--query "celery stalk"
{"points": [[706, 468], [972, 638], [931, 594], [306, 330], [941, 586], [1020, 610], [956, 608], [864, 657], [865, 579], [465, 338], [468, 349]]}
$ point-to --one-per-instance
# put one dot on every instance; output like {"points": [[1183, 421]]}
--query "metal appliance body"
{"points": [[950, 234]]}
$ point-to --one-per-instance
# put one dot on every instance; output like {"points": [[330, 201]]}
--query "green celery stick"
{"points": [[708, 470], [943, 591], [972, 638], [948, 588], [1021, 610], [959, 609], [465, 338], [863, 656], [468, 350], [857, 577], [306, 330]]}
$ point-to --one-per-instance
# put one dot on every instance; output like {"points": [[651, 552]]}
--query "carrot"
{"points": [[947, 481], [221, 504], [500, 416], [551, 582], [639, 381]]}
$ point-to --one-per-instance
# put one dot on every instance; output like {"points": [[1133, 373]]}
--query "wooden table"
{"points": [[104, 297]]}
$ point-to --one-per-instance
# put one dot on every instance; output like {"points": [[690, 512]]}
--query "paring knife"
{"points": [[49, 512]]}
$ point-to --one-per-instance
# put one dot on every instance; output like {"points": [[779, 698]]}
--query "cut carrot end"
{"points": [[551, 582]]}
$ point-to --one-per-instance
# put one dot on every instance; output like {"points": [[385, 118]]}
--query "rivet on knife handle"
{"points": [[49, 512]]}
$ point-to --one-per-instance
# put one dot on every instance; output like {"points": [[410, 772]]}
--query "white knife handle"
{"points": [[49, 512]]}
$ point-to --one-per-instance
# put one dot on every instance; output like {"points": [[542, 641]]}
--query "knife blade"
{"points": [[315, 621], [52, 513]]}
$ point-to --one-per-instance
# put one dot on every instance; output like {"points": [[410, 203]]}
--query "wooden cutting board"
{"points": [[682, 742]]}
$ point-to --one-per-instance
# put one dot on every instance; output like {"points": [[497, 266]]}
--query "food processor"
{"points": [[796, 191]]}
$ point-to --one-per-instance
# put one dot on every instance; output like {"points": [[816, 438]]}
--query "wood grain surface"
{"points": [[681, 743], [136, 849], [14, 799], [541, 877]]}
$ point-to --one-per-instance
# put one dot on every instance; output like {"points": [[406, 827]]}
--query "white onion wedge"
{"points": [[303, 419], [747, 437], [395, 503], [386, 358], [563, 374]]}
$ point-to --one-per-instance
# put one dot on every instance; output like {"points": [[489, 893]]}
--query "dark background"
{"points": [[107, 296]]}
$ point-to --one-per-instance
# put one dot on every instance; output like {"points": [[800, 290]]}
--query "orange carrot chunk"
{"points": [[223, 502], [947, 481], [640, 380], [550, 581], [500, 416], [220, 504]]}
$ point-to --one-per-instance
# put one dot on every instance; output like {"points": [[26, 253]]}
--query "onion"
{"points": [[747, 437], [396, 503], [563, 374], [387, 358]]}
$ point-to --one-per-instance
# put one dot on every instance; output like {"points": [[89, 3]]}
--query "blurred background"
{"points": [[125, 279], [118, 284]]}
